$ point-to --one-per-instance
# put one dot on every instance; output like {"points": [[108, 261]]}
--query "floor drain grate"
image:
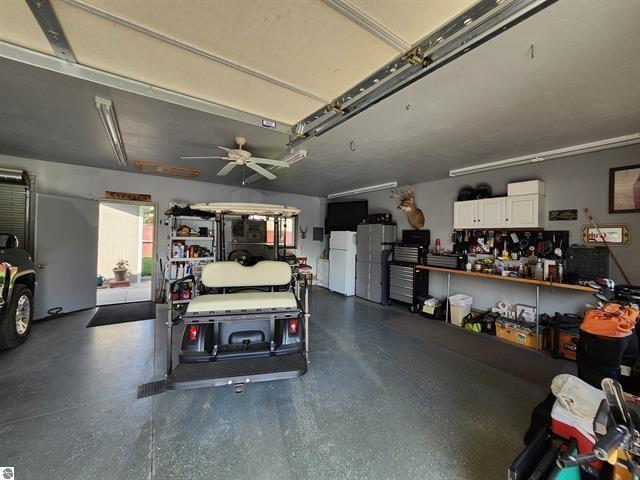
{"points": [[152, 388]]}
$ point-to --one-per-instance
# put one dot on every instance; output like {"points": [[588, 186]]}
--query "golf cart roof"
{"points": [[265, 209]]}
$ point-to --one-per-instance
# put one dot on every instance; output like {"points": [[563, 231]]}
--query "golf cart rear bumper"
{"points": [[237, 370]]}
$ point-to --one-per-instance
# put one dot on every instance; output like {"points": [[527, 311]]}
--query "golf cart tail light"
{"points": [[293, 326], [193, 332]]}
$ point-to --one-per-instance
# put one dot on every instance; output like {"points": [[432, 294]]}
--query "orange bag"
{"points": [[612, 320]]}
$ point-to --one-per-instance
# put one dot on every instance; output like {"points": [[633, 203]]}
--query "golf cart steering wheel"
{"points": [[242, 256]]}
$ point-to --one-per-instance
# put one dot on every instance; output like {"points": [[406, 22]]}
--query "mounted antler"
{"points": [[406, 194], [408, 204]]}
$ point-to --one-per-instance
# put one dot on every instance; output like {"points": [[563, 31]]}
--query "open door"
{"points": [[66, 250]]}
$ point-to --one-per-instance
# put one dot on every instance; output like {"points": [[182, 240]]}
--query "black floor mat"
{"points": [[123, 312]]}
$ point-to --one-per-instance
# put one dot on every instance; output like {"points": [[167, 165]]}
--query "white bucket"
{"points": [[460, 306], [458, 313]]}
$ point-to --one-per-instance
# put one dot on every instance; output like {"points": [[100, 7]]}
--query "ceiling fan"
{"points": [[238, 156]]}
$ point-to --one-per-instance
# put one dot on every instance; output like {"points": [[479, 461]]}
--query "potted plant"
{"points": [[120, 270]]}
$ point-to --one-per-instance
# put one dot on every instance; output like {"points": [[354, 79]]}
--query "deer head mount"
{"points": [[408, 204]]}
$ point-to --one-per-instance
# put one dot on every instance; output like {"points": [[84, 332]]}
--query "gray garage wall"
{"points": [[86, 182], [575, 182]]}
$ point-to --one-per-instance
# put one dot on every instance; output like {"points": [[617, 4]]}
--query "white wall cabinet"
{"points": [[465, 214], [491, 213], [522, 211], [525, 211]]}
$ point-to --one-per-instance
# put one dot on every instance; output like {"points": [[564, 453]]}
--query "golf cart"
{"points": [[247, 321]]}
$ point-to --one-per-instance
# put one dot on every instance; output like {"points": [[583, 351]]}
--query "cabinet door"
{"points": [[364, 232], [362, 279], [363, 251], [491, 213], [465, 214], [523, 211], [375, 282], [375, 233], [388, 233], [363, 243]]}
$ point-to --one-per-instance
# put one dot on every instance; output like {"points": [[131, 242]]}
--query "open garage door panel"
{"points": [[15, 197], [296, 56], [66, 253]]}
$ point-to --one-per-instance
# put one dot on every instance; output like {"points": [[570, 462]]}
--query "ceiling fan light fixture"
{"points": [[292, 158], [110, 121], [240, 157]]}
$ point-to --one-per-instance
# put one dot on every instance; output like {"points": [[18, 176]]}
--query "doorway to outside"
{"points": [[126, 234]]}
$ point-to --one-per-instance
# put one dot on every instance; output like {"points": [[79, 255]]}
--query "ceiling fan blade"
{"points": [[268, 161], [261, 171], [226, 169], [203, 158], [224, 148]]}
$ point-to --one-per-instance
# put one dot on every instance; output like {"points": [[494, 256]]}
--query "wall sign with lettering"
{"points": [[563, 215], [132, 197]]}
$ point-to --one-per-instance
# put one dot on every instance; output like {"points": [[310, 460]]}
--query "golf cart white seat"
{"points": [[243, 301], [267, 273]]}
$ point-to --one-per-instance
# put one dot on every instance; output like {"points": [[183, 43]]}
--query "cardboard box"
{"points": [[530, 187], [519, 334]]}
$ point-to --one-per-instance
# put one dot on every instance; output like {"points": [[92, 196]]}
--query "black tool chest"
{"points": [[405, 282]]}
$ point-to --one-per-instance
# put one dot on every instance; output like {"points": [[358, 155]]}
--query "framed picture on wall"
{"points": [[624, 189]]}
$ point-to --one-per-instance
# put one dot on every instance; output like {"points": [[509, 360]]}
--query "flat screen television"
{"points": [[345, 215]]}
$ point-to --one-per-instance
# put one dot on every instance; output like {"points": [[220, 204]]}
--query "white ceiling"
{"points": [[313, 52]]}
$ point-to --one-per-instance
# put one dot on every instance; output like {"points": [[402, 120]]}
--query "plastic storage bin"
{"points": [[531, 187], [460, 306]]}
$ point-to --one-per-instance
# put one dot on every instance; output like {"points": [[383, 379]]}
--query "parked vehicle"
{"points": [[17, 287]]}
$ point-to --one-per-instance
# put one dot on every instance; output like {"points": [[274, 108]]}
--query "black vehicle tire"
{"points": [[10, 334]]}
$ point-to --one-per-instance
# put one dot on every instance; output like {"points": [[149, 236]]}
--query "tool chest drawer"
{"points": [[401, 283], [400, 296], [400, 271], [406, 254]]}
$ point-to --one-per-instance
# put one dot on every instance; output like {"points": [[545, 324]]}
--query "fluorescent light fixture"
{"points": [[293, 158], [290, 159], [606, 144], [110, 122], [358, 191]]}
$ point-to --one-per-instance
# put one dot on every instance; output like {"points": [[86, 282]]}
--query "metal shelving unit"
{"points": [[191, 259], [190, 264], [203, 239]]}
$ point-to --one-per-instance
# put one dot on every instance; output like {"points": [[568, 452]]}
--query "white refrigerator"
{"points": [[342, 263]]}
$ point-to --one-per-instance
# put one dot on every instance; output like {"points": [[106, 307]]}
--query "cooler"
{"points": [[571, 424]]}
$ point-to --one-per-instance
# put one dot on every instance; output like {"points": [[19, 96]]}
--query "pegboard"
{"points": [[544, 242]]}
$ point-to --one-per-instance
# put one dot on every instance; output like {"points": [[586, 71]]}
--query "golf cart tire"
{"points": [[9, 336]]}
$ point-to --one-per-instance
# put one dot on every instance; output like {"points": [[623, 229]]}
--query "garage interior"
{"points": [[438, 176]]}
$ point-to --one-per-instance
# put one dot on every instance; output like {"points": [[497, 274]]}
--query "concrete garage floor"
{"points": [[376, 403]]}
